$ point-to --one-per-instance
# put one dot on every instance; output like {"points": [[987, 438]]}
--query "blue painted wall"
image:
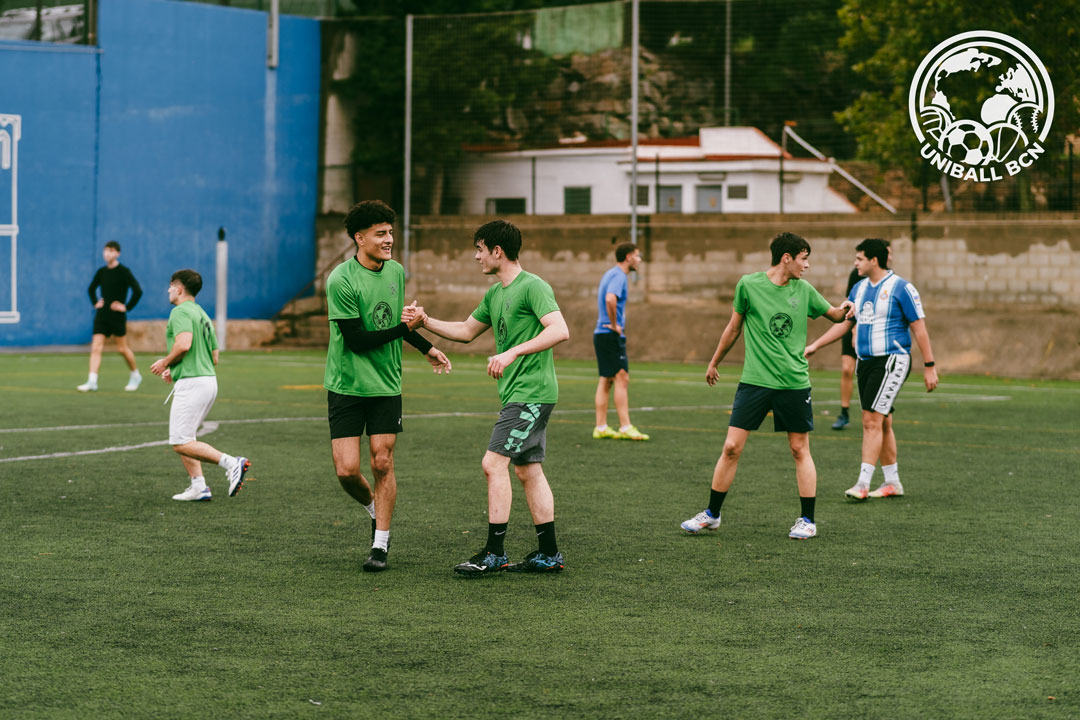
{"points": [[192, 132]]}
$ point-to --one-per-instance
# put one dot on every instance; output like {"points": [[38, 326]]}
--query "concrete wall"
{"points": [[1002, 293], [171, 128]]}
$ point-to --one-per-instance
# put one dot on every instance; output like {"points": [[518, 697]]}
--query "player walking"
{"points": [[192, 354], [609, 340], [365, 297], [887, 312], [774, 306], [115, 280], [528, 324]]}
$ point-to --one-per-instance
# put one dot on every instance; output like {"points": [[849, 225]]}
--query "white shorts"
{"points": [[192, 400]]}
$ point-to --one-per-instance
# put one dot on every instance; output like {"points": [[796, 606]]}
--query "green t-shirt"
{"points": [[514, 313], [774, 320], [377, 298], [199, 360]]}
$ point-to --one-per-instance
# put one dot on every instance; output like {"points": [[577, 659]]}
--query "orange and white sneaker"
{"points": [[888, 489], [857, 492]]}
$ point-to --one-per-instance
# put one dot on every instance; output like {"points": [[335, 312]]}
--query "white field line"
{"points": [[206, 429]]}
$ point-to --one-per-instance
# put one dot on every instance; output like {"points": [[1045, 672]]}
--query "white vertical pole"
{"points": [[272, 34], [221, 313], [407, 200], [634, 53], [727, 65]]}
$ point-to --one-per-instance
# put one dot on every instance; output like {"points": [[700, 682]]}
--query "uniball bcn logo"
{"points": [[981, 104]]}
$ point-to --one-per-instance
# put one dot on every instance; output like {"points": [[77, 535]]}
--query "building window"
{"points": [[738, 192], [504, 206], [577, 200], [642, 195], [670, 199]]}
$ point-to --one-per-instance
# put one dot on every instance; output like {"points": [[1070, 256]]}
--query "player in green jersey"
{"points": [[192, 348], [773, 306], [365, 298], [528, 324]]}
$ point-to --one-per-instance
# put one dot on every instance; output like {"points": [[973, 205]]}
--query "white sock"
{"points": [[370, 507], [602, 428], [199, 483], [382, 539], [866, 474], [135, 373], [92, 379], [624, 428], [226, 461], [892, 475]]}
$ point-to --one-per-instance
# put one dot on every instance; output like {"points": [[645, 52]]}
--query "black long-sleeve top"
{"points": [[359, 340], [115, 283]]}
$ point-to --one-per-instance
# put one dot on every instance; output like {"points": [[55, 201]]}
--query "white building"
{"points": [[725, 169]]}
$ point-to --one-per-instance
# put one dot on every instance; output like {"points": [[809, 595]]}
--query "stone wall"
{"points": [[1001, 292]]}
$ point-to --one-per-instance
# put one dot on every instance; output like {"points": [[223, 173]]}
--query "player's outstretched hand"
{"points": [[850, 307], [413, 316], [810, 350], [930, 378], [498, 363], [712, 376], [439, 361], [167, 375], [159, 367]]}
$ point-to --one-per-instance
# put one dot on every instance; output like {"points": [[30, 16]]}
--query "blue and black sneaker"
{"points": [[841, 422], [538, 562], [482, 563]]}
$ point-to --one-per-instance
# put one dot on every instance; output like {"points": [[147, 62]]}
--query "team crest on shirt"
{"points": [[507, 306], [382, 317], [501, 332], [393, 289], [780, 325], [884, 294]]}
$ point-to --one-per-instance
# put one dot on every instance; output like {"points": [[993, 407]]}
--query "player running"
{"points": [[887, 312], [773, 305], [192, 350], [365, 296], [528, 324]]}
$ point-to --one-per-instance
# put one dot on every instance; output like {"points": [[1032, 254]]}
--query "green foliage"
{"points": [[955, 601]]}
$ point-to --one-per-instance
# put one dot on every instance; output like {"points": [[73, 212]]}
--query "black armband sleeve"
{"points": [[360, 340], [418, 341]]}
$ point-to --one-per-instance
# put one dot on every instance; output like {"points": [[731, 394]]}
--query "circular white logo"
{"points": [[981, 104]]}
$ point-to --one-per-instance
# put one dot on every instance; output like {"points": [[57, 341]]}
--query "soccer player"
{"points": [[528, 324], [365, 297], [115, 280], [609, 340], [887, 312], [773, 305], [192, 354], [847, 365]]}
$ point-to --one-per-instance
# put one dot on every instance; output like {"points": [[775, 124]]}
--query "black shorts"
{"points": [[880, 380], [109, 322], [610, 354], [350, 415], [846, 345], [792, 410]]}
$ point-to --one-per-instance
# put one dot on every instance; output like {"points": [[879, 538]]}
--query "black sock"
{"points": [[808, 507], [716, 499], [843, 411], [496, 536], [545, 535]]}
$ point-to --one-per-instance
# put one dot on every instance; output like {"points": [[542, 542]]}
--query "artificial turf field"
{"points": [[958, 600]]}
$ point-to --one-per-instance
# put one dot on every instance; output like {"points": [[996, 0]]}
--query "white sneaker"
{"points": [[888, 489], [133, 382], [803, 529], [192, 493], [87, 387], [857, 492], [236, 475], [702, 521]]}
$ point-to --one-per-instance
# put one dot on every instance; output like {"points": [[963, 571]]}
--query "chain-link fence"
{"points": [[57, 21]]}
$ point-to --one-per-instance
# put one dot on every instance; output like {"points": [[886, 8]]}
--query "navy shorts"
{"points": [[792, 410], [610, 354], [880, 379], [110, 323], [350, 415]]}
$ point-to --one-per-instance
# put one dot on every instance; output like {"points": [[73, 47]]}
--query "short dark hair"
{"points": [[499, 233], [191, 280], [789, 243], [114, 245], [875, 248], [367, 214], [624, 251]]}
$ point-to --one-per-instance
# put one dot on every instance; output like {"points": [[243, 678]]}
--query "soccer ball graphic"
{"points": [[967, 142]]}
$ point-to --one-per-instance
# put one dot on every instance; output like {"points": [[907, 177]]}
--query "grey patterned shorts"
{"points": [[520, 433]]}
